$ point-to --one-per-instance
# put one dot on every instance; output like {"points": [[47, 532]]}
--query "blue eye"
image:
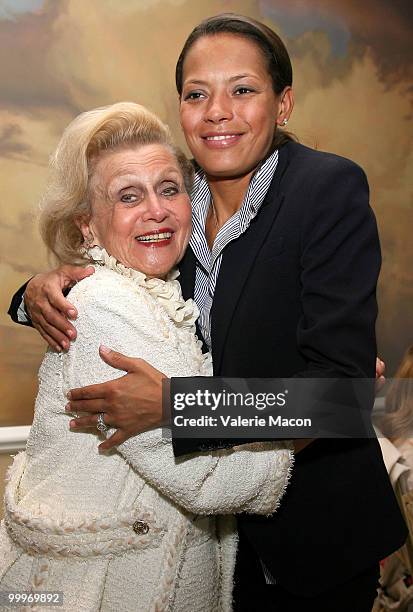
{"points": [[170, 191], [129, 198]]}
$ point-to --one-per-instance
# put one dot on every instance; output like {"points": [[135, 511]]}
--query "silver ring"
{"points": [[101, 425]]}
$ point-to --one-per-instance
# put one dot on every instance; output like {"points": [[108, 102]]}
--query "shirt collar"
{"points": [[201, 194]]}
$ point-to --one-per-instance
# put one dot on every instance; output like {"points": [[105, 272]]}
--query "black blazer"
{"points": [[296, 296]]}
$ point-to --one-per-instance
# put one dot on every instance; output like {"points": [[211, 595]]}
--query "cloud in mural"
{"points": [[296, 19], [10, 9], [382, 28], [11, 144], [30, 79], [132, 6]]}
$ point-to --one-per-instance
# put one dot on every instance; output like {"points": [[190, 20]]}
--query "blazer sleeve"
{"points": [[15, 305], [250, 479], [340, 263]]}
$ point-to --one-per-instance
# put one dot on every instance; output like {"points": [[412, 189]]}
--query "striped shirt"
{"points": [[209, 261]]}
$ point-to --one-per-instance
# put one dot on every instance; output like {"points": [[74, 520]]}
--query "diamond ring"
{"points": [[101, 425]]}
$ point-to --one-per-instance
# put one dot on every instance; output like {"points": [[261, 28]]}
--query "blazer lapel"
{"points": [[187, 274], [238, 259], [187, 270]]}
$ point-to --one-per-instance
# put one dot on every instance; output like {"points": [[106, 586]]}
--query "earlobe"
{"points": [[84, 225], [286, 106]]}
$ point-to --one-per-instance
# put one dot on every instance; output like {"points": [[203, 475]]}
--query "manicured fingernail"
{"points": [[104, 349], [72, 423], [70, 333], [68, 407], [69, 395], [71, 313], [65, 344]]}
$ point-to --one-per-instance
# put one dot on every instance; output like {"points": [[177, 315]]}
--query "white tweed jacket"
{"points": [[131, 530]]}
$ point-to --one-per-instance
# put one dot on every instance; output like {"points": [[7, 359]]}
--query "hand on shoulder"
{"points": [[47, 307]]}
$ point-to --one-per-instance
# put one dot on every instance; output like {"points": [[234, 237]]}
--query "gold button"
{"points": [[140, 527]]}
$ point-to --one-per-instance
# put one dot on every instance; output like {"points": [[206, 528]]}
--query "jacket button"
{"points": [[140, 527]]}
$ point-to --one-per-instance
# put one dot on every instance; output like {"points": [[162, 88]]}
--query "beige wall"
{"points": [[354, 97]]}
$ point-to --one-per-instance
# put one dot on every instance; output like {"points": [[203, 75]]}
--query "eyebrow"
{"points": [[129, 178], [246, 75], [231, 79]]}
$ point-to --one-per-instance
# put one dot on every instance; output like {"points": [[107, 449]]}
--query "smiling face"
{"points": [[228, 107], [141, 213]]}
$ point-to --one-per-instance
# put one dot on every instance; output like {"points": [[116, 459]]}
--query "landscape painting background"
{"points": [[354, 93]]}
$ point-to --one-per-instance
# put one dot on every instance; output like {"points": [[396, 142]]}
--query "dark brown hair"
{"points": [[270, 44]]}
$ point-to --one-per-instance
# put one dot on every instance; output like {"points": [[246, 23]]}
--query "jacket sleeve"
{"points": [[15, 305], [249, 479], [340, 264]]}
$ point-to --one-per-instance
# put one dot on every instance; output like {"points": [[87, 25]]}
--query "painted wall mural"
{"points": [[354, 94]]}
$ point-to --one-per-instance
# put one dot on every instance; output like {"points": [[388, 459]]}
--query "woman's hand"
{"points": [[48, 308], [380, 378], [132, 403]]}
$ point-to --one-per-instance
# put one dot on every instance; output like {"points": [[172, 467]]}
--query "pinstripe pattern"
{"points": [[209, 262], [269, 579]]}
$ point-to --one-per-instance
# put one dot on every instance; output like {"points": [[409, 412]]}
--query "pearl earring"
{"points": [[285, 121]]}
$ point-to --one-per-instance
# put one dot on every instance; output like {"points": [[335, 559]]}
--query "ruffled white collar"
{"points": [[168, 292]]}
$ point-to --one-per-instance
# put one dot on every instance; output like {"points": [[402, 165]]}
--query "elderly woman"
{"points": [[121, 531]]}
